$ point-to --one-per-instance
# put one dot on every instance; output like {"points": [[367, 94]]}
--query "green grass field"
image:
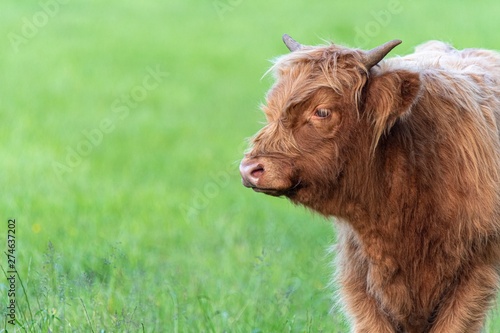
{"points": [[122, 124]]}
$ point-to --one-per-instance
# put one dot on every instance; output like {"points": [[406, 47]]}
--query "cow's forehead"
{"points": [[299, 74], [311, 55], [289, 91]]}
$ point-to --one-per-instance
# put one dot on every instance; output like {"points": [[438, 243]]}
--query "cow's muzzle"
{"points": [[251, 171], [266, 176]]}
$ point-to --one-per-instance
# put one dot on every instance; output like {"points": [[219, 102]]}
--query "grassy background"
{"points": [[145, 227]]}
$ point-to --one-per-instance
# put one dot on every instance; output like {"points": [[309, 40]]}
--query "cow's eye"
{"points": [[322, 113]]}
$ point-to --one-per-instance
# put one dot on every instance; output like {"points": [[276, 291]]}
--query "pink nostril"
{"points": [[257, 172], [251, 171]]}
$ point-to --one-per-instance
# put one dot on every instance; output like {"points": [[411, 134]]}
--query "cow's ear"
{"points": [[390, 96]]}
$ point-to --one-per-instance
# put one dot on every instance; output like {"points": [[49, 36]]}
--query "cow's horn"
{"points": [[373, 57], [291, 43]]}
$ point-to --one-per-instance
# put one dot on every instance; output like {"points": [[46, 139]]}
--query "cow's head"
{"points": [[326, 112]]}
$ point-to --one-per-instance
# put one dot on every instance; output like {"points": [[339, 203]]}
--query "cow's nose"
{"points": [[251, 171]]}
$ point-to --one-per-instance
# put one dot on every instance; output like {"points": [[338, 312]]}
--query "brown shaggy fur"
{"points": [[407, 159]]}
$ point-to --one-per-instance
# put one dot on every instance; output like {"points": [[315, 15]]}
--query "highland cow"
{"points": [[404, 152]]}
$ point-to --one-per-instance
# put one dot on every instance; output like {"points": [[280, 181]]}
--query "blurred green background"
{"points": [[122, 124]]}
